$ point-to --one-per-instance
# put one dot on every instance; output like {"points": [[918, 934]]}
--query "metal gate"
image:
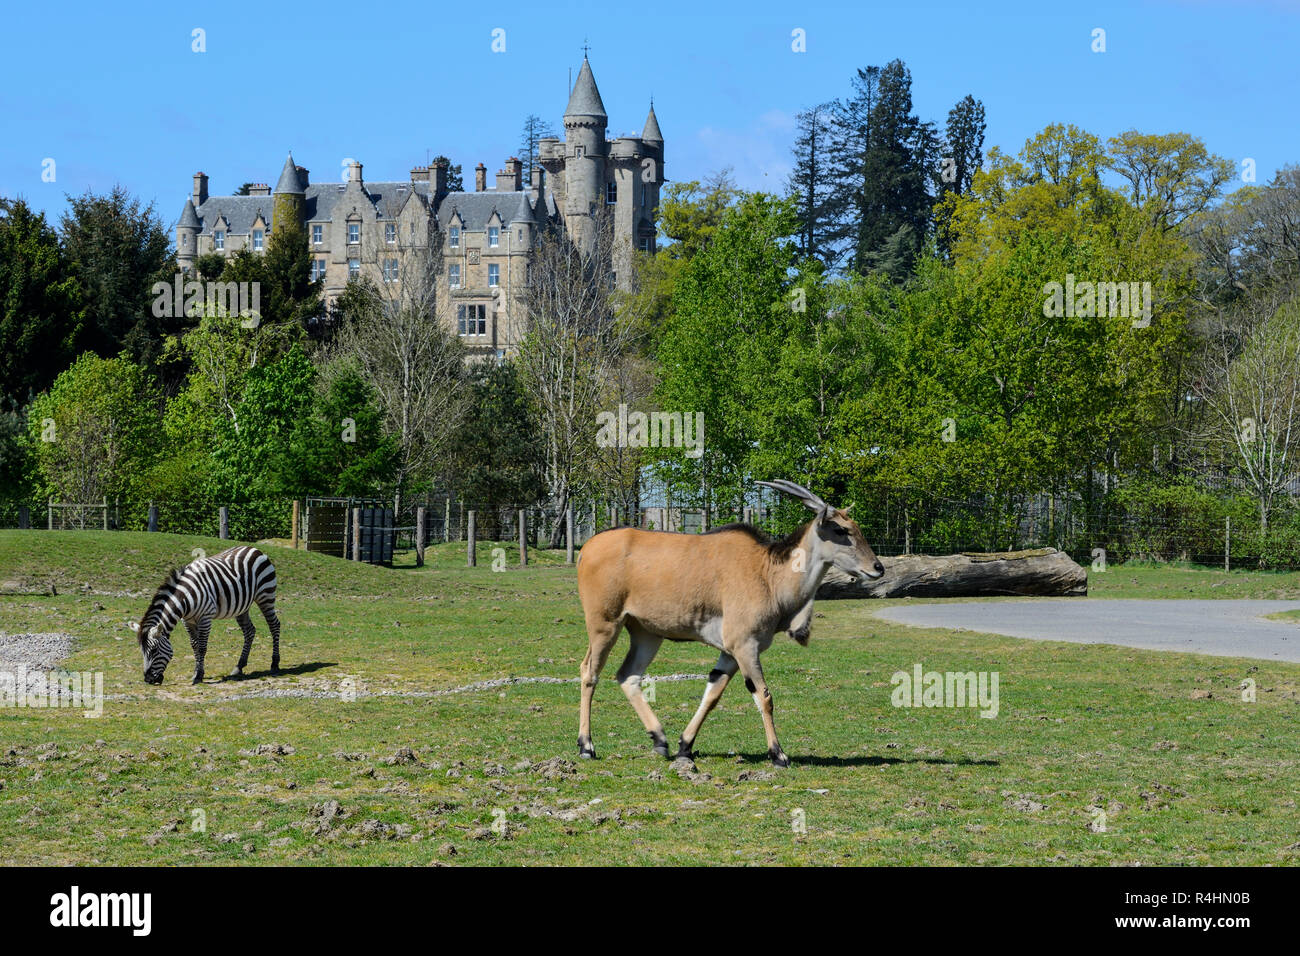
{"points": [[329, 528]]}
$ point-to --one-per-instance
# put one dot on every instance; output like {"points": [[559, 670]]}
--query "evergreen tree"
{"points": [[813, 182]]}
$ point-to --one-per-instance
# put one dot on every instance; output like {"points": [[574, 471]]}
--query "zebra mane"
{"points": [[160, 598]]}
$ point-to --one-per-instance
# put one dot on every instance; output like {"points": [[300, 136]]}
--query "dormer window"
{"points": [[453, 237], [219, 239], [494, 236], [317, 235], [258, 237], [354, 233]]}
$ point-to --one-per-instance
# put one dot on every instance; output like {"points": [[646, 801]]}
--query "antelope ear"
{"points": [[134, 625]]}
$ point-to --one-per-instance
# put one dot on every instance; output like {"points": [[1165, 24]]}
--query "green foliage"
{"points": [[93, 435], [498, 451], [40, 315]]}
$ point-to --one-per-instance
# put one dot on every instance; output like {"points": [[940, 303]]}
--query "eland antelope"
{"points": [[732, 588]]}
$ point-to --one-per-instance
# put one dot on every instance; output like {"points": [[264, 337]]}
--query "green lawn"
{"points": [[1186, 771]]}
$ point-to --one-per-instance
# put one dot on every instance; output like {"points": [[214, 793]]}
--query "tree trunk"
{"points": [[1039, 572]]}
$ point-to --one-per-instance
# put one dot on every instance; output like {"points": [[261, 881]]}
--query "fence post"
{"points": [[296, 516], [105, 512], [356, 534], [446, 521], [223, 522], [153, 516], [568, 535], [471, 535], [419, 537], [748, 515], [49, 515], [24, 517], [613, 516], [523, 538], [1227, 543]]}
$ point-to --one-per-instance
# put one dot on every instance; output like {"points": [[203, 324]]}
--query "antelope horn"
{"points": [[798, 491]]}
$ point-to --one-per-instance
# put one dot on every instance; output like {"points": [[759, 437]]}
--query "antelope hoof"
{"points": [[585, 750], [660, 745], [779, 758], [684, 750], [801, 635]]}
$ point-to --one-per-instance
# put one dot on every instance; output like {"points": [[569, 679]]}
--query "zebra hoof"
{"points": [[198, 678], [237, 673]]}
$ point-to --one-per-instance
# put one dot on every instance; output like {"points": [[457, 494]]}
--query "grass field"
{"points": [[411, 773]]}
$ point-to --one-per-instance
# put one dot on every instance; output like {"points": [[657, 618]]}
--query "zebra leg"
{"points": [[272, 622], [199, 642], [246, 625]]}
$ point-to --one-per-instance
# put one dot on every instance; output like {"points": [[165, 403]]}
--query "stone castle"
{"points": [[357, 228]]}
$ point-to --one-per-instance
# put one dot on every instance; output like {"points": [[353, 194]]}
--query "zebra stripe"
{"points": [[221, 586]]}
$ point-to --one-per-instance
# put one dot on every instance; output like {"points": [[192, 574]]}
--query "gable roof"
{"points": [[476, 209]]}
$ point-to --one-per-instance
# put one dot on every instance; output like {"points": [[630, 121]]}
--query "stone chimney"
{"points": [[510, 178], [354, 172], [304, 176], [200, 188], [535, 181], [439, 179], [480, 178], [259, 189], [419, 174]]}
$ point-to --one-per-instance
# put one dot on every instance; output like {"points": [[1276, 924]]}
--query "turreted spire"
{"points": [[651, 132], [585, 98], [289, 179], [189, 217]]}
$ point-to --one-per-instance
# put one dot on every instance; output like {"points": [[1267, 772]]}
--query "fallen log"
{"points": [[1042, 572]]}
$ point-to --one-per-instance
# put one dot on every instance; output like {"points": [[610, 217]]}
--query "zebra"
{"points": [[224, 585]]}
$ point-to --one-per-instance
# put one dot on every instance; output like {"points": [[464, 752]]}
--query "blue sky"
{"points": [[115, 94]]}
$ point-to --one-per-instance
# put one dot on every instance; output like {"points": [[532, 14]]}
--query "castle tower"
{"points": [[187, 237], [289, 208], [585, 155]]}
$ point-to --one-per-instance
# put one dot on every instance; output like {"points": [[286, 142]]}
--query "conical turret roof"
{"points": [[651, 132], [189, 217], [289, 180], [585, 98]]}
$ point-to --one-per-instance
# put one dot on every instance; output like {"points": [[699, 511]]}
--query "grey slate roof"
{"points": [[651, 132], [289, 179], [189, 218], [585, 99], [240, 213], [476, 208]]}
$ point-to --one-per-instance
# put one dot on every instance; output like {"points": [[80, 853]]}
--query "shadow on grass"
{"points": [[862, 760], [306, 668]]}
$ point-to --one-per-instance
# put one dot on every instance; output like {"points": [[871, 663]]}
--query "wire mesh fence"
{"points": [[1179, 525]]}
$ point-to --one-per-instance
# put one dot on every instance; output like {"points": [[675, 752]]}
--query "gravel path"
{"points": [[32, 656], [1224, 628]]}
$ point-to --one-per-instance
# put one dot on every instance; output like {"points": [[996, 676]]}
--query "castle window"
{"points": [[354, 233], [257, 240], [317, 235], [453, 237], [471, 319], [611, 193], [390, 232], [354, 268], [453, 276], [494, 236], [219, 240], [578, 151], [390, 270], [317, 269], [645, 244], [494, 274]]}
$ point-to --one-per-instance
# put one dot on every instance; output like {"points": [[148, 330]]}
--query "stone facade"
{"points": [[357, 227]]}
